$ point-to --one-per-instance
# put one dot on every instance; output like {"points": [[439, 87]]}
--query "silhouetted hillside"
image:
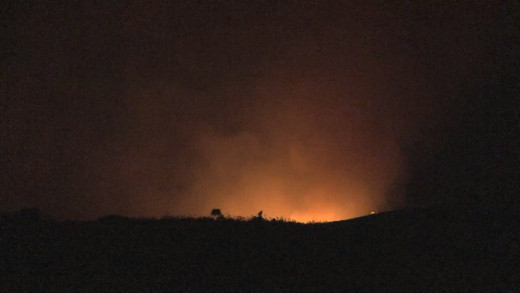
{"points": [[437, 248]]}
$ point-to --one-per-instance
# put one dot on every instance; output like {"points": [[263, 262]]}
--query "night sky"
{"points": [[319, 110]]}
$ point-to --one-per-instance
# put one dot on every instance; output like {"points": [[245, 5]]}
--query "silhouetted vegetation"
{"points": [[28, 215], [435, 249], [216, 213]]}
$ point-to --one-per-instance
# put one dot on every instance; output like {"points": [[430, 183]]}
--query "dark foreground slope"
{"points": [[432, 249]]}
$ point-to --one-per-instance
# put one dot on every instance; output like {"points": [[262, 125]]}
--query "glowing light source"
{"points": [[316, 215]]}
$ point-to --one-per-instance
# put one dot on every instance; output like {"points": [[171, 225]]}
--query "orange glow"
{"points": [[314, 216], [301, 156]]}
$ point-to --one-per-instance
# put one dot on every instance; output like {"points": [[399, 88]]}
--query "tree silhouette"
{"points": [[216, 213]]}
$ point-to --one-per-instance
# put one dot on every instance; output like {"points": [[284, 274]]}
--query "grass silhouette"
{"points": [[438, 248]]}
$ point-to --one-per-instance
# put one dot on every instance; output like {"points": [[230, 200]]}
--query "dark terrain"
{"points": [[433, 249]]}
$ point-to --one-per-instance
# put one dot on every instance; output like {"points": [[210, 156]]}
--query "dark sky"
{"points": [[305, 109]]}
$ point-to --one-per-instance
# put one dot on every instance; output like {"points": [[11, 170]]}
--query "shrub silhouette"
{"points": [[112, 219], [216, 213], [5, 216], [28, 215], [258, 218]]}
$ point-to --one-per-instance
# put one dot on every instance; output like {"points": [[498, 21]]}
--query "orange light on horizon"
{"points": [[317, 215], [307, 218]]}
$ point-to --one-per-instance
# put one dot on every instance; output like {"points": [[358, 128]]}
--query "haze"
{"points": [[298, 109]]}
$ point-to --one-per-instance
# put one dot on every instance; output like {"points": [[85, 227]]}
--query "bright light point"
{"points": [[372, 213], [315, 216]]}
